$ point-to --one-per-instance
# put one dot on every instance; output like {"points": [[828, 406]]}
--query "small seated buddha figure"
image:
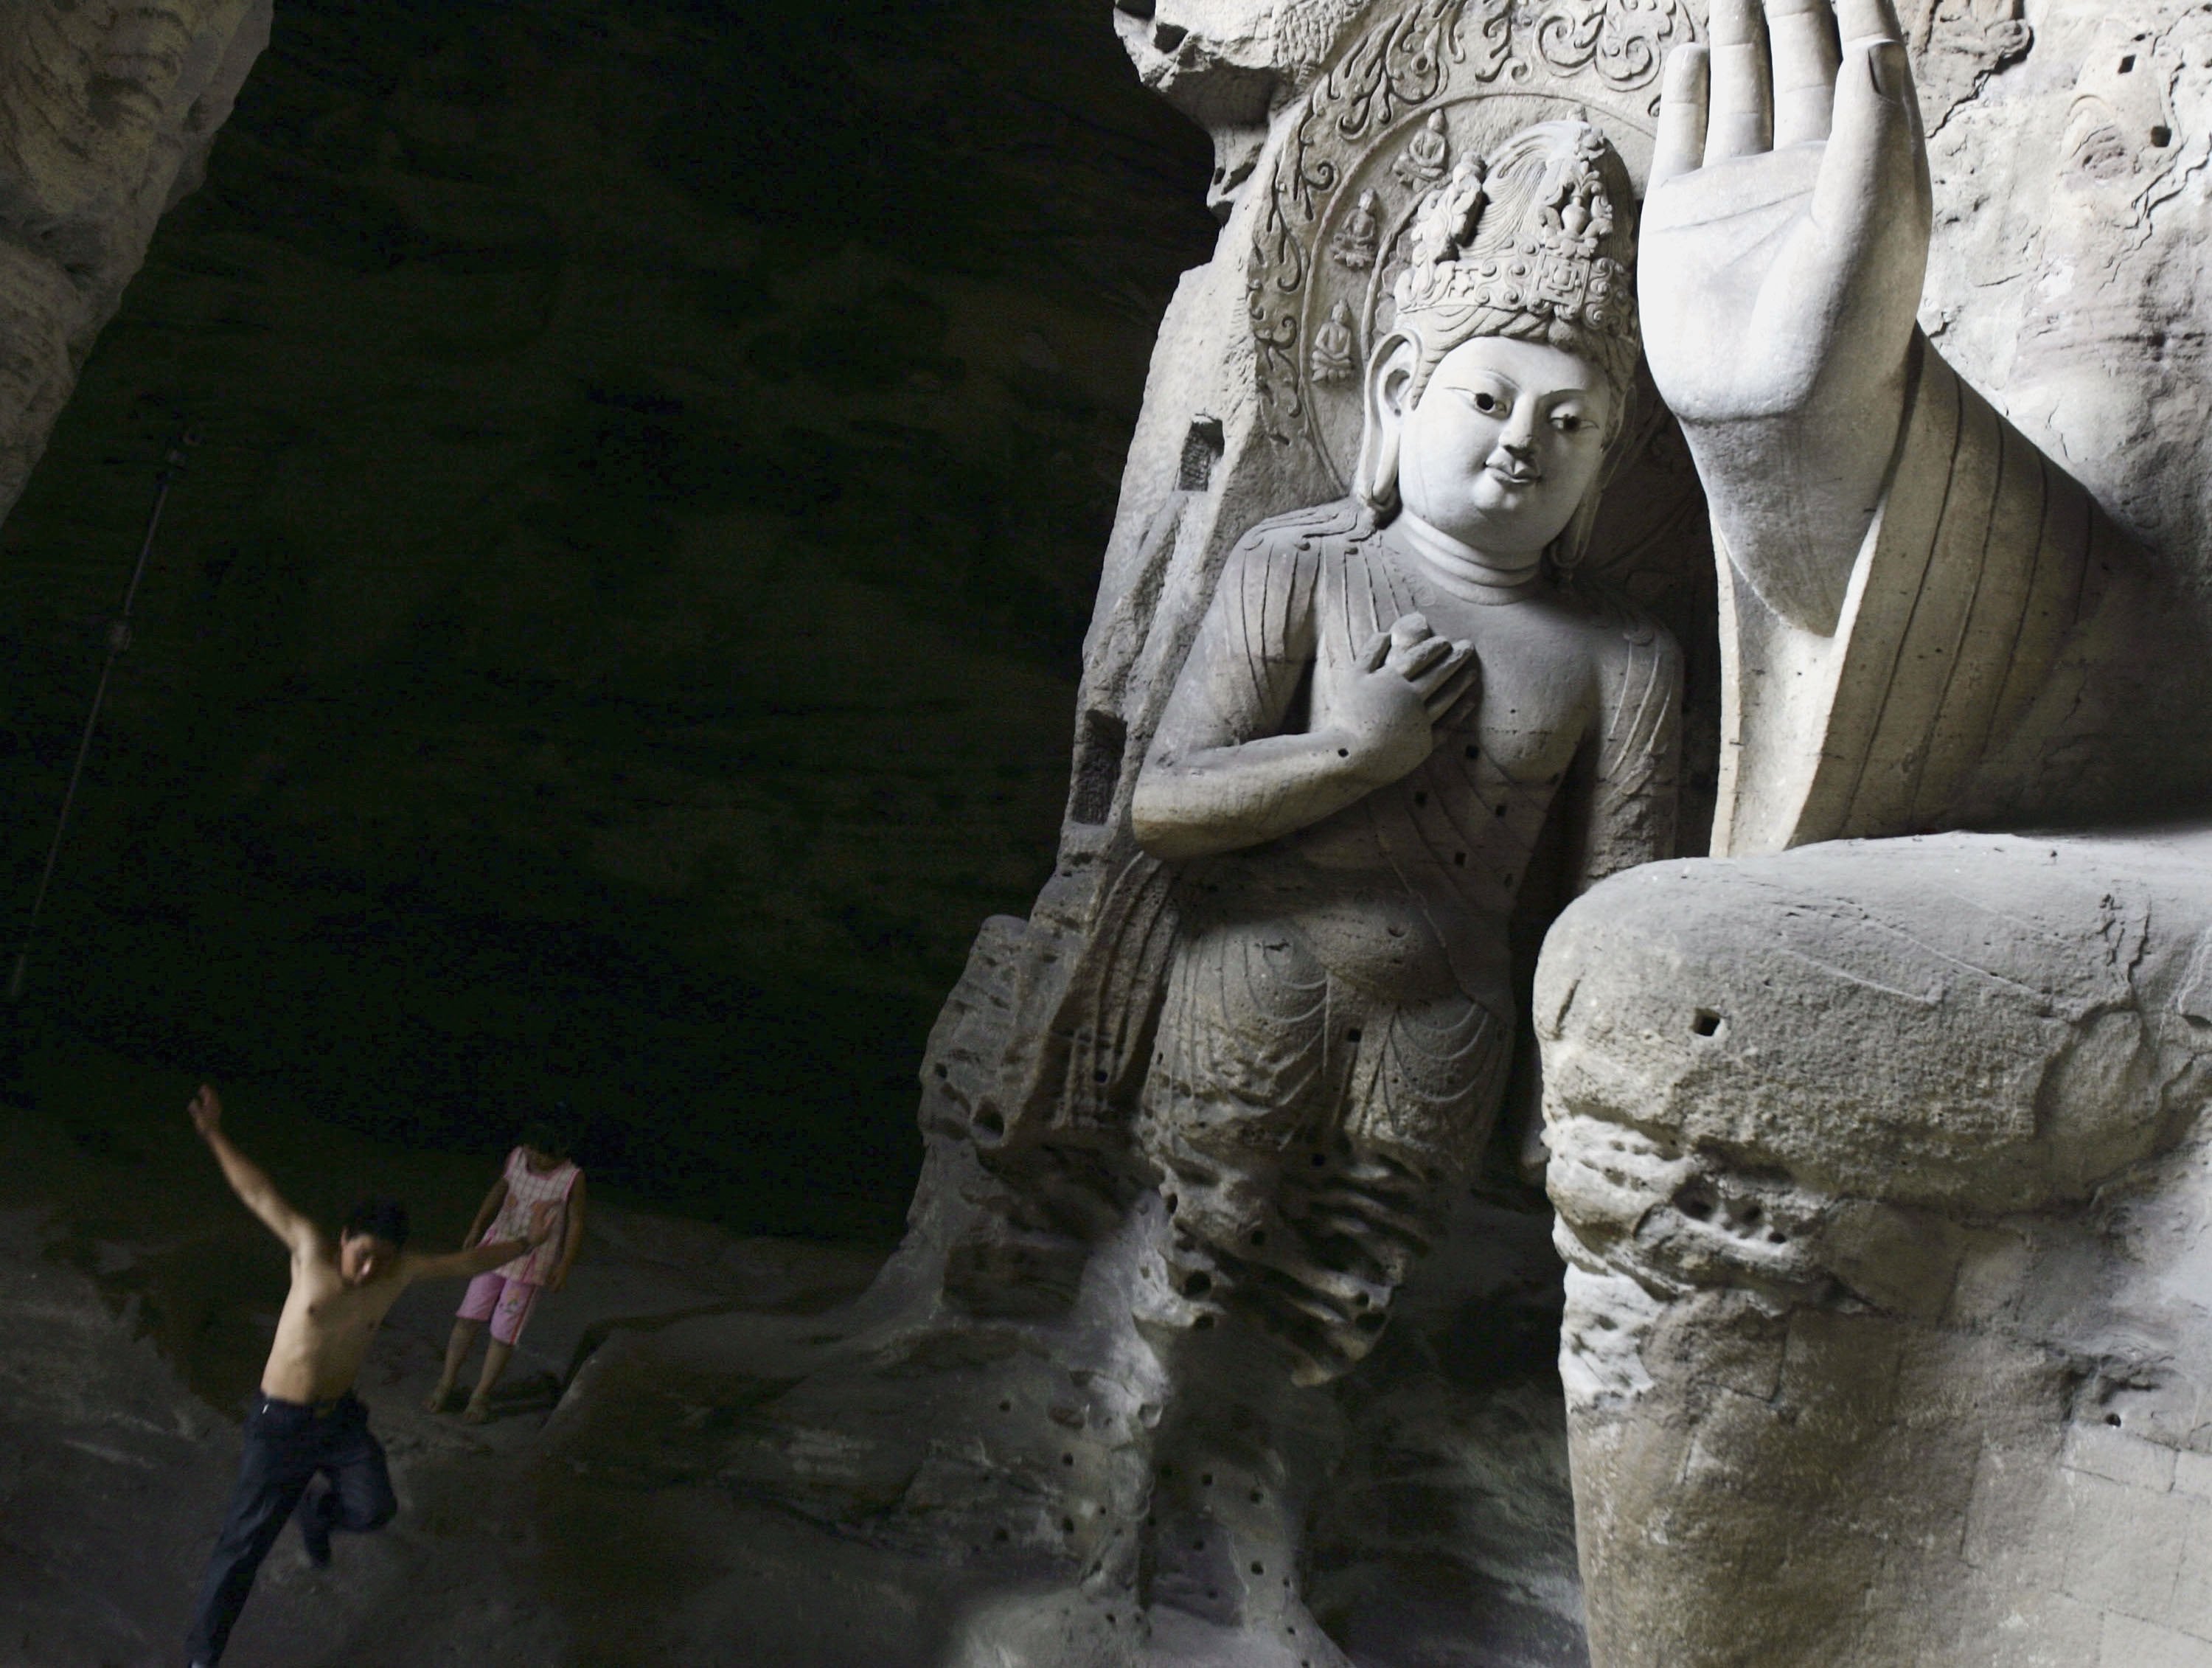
{"points": [[1427, 156], [1335, 348], [1355, 246]]}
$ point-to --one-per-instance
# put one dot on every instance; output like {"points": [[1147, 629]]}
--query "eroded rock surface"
{"points": [[137, 1300], [107, 114], [2072, 221], [1881, 1178]]}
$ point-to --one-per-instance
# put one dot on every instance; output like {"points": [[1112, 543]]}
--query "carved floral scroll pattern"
{"points": [[1401, 64], [1397, 66], [1623, 40]]}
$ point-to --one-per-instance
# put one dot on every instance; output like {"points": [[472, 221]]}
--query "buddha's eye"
{"points": [[1486, 403]]}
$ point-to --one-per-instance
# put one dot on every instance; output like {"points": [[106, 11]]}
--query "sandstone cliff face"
{"points": [[107, 114]]}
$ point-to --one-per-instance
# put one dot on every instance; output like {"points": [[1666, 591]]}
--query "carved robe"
{"points": [[2000, 655], [1340, 1013]]}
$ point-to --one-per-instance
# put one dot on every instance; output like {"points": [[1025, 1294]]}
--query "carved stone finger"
{"points": [[1453, 681], [1802, 36], [1681, 147], [1415, 661], [1860, 22], [1874, 150], [1409, 629], [1742, 118], [1440, 704], [1374, 652], [1866, 20], [1433, 677]]}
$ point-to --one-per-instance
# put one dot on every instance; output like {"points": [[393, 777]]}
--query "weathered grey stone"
{"points": [[1921, 1117], [107, 114]]}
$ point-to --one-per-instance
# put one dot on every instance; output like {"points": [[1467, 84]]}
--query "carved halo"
{"points": [[1471, 74]]}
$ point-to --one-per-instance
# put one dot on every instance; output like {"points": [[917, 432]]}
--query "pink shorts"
{"points": [[504, 1303]]}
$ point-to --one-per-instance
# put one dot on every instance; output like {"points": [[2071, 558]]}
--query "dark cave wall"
{"points": [[617, 632]]}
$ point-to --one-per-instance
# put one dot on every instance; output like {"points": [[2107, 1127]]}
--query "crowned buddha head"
{"points": [[1494, 398]]}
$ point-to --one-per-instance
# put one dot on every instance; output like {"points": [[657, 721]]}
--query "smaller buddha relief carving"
{"points": [[1427, 158], [1353, 247], [1335, 350]]}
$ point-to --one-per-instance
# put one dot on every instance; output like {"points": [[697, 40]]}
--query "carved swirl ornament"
{"points": [[1423, 88]]}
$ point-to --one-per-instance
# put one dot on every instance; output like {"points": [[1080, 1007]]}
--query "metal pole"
{"points": [[118, 639]]}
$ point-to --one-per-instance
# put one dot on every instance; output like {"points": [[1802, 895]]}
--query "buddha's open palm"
{"points": [[1784, 243]]}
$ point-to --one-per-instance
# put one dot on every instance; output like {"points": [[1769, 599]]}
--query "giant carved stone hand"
{"points": [[1785, 240]]}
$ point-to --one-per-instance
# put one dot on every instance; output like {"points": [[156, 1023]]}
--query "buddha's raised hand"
{"points": [[1784, 243]]}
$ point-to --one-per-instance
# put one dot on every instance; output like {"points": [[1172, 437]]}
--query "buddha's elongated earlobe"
{"points": [[1389, 391]]}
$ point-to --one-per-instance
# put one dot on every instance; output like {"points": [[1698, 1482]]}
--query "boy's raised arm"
{"points": [[248, 1179], [467, 1264]]}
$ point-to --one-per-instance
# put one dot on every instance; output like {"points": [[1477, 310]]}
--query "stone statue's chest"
{"points": [[1522, 719], [1526, 714]]}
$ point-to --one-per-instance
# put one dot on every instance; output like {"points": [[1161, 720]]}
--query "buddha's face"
{"points": [[1504, 445]]}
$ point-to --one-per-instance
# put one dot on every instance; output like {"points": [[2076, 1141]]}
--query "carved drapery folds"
{"points": [[2003, 653]]}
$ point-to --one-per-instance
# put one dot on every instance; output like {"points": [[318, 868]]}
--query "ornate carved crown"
{"points": [[1533, 240]]}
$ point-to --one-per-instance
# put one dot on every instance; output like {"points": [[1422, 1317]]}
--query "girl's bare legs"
{"points": [[496, 1359], [457, 1350]]}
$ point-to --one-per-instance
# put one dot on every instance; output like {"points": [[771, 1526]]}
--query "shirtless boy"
{"points": [[307, 1419]]}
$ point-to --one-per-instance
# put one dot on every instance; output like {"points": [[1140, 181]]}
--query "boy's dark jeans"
{"points": [[286, 1445]]}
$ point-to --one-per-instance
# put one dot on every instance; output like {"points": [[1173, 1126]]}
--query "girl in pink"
{"points": [[539, 1171]]}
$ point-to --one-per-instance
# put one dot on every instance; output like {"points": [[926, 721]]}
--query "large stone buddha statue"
{"points": [[1390, 701]]}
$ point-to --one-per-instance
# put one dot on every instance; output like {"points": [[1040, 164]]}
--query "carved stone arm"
{"points": [[1222, 776], [2001, 652]]}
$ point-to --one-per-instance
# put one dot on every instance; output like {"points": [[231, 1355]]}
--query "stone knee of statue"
{"points": [[1880, 1168]]}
